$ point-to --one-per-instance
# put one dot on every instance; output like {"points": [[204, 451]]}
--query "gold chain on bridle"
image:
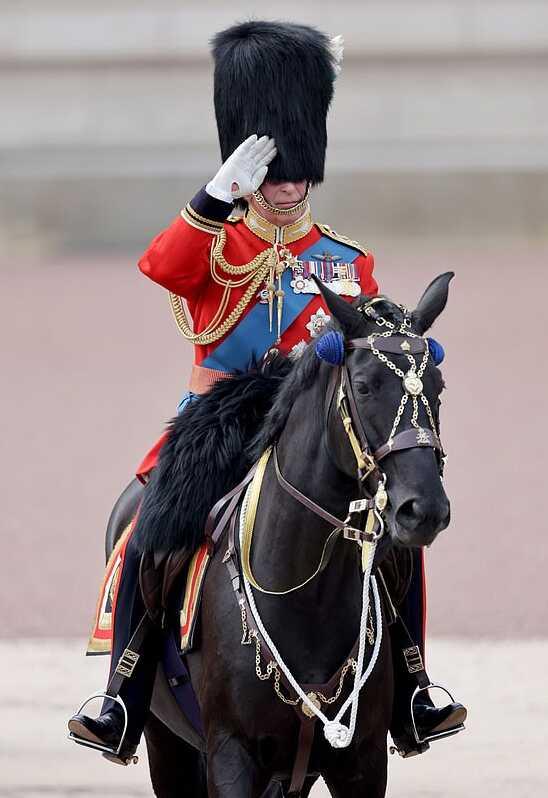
{"points": [[412, 374]]}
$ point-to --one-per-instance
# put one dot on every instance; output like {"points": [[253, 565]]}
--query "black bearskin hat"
{"points": [[277, 79]]}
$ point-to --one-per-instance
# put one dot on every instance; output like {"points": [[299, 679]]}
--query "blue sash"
{"points": [[251, 337]]}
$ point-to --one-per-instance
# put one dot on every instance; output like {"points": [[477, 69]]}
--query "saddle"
{"points": [[160, 576]]}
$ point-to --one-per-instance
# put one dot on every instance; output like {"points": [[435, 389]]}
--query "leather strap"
{"points": [[354, 414], [300, 497], [302, 758], [411, 438], [394, 345], [213, 532], [130, 657]]}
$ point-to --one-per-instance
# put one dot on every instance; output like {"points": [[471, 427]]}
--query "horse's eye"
{"points": [[363, 388]]}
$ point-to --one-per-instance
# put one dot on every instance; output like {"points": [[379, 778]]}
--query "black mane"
{"points": [[215, 441], [299, 379], [205, 455]]}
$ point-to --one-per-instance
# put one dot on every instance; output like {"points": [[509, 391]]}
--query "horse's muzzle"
{"points": [[419, 520]]}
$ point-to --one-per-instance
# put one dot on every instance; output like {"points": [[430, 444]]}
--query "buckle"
{"points": [[106, 749], [127, 662], [413, 659], [374, 525], [358, 535], [369, 465], [359, 506]]}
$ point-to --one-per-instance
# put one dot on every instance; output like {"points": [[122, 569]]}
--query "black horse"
{"points": [[250, 734]]}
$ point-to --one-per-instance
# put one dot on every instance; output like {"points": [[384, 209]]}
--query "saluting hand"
{"points": [[244, 171]]}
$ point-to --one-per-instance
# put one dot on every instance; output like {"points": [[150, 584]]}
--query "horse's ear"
{"points": [[350, 320], [432, 302]]}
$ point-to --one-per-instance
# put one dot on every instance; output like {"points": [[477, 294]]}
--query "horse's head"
{"points": [[386, 383]]}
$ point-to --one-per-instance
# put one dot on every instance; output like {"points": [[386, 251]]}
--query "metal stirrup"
{"points": [[107, 749], [435, 735]]}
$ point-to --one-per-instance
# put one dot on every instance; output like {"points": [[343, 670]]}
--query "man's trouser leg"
{"points": [[136, 690]]}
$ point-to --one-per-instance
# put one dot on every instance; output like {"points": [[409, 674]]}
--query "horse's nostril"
{"points": [[410, 514], [415, 513]]}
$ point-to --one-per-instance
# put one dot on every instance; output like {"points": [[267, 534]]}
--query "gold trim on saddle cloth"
{"points": [[203, 379], [100, 640], [193, 591]]}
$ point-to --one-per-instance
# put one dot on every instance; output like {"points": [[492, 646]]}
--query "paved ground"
{"points": [[501, 755]]}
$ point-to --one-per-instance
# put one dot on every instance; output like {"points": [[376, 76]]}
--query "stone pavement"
{"points": [[500, 755]]}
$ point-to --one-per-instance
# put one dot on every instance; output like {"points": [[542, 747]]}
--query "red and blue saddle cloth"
{"points": [[101, 637]]}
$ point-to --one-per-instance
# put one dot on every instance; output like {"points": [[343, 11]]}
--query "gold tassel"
{"points": [[280, 293]]}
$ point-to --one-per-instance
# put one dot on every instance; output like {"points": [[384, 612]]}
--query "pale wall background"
{"points": [[438, 158]]}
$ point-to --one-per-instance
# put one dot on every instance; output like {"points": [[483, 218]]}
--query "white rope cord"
{"points": [[336, 733]]}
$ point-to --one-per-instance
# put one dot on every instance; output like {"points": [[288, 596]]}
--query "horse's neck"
{"points": [[289, 540]]}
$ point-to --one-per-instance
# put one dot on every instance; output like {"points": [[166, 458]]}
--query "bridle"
{"points": [[392, 338]]}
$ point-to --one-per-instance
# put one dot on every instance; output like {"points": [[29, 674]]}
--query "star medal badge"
{"points": [[318, 322]]}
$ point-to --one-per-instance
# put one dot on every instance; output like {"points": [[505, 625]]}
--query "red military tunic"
{"points": [[180, 259]]}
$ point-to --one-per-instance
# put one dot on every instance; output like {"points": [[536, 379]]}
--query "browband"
{"points": [[394, 345]]}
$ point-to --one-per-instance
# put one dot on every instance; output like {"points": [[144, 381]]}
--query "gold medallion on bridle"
{"points": [[313, 698], [412, 383]]}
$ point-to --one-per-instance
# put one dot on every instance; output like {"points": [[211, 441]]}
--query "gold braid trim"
{"points": [[200, 222], [330, 233], [254, 273]]}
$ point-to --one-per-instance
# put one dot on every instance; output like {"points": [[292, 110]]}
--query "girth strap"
{"points": [[302, 759]]}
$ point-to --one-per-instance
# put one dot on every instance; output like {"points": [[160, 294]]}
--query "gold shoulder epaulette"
{"points": [[330, 233]]}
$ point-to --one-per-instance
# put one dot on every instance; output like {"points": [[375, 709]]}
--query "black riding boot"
{"points": [[136, 690], [413, 726]]}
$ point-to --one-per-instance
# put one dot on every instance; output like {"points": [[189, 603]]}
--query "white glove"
{"points": [[246, 168]]}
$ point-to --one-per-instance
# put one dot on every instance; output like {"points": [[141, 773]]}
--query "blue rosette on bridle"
{"points": [[437, 352], [330, 347]]}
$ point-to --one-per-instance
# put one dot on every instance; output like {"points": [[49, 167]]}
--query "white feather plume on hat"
{"points": [[336, 46]]}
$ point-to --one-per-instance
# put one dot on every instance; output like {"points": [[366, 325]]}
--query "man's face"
{"points": [[283, 195]]}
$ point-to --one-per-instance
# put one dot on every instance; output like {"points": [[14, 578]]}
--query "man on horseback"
{"points": [[248, 283]]}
